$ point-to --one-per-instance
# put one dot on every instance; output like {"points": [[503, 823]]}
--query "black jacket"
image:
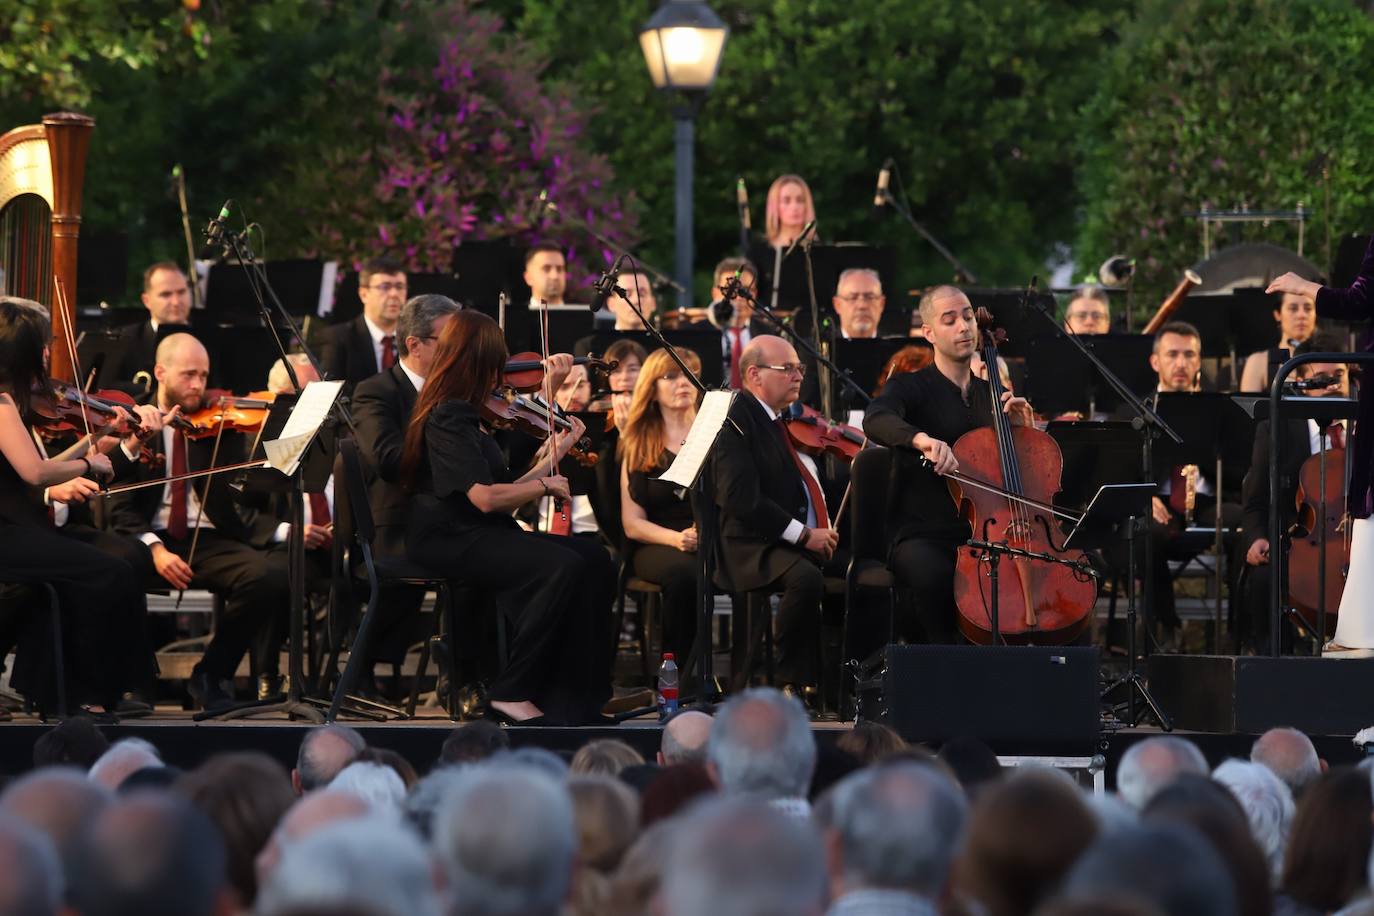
{"points": [[1297, 448], [346, 353], [382, 406]]}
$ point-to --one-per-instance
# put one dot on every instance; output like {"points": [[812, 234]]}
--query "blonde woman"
{"points": [[789, 208]]}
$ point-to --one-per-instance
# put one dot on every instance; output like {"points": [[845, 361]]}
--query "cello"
{"points": [[1319, 552], [1038, 601]]}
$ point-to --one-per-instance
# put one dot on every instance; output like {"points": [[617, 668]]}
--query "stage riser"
{"points": [[1224, 693]]}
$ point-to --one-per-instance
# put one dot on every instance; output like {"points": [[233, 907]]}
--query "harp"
{"points": [[42, 169]]}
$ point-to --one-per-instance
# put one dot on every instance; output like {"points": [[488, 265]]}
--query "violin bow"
{"points": [[176, 478], [200, 502], [70, 340]]}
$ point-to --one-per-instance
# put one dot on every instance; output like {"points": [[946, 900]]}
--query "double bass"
{"points": [[1038, 601]]}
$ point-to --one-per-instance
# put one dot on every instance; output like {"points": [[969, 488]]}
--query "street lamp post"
{"points": [[682, 44]]}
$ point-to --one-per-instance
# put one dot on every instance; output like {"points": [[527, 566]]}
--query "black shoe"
{"points": [[207, 692], [270, 686], [132, 705], [500, 718]]}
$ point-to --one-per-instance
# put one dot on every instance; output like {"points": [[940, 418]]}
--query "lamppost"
{"points": [[682, 44]]}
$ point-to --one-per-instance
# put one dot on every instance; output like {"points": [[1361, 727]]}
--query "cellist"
{"points": [[924, 413]]}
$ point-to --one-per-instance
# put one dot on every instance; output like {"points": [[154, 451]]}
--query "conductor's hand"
{"points": [[939, 454], [821, 542], [1018, 409], [687, 540], [171, 567], [1258, 554], [1292, 283], [1160, 511], [558, 486], [556, 369]]}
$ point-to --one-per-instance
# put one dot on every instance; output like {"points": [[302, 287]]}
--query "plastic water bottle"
{"points": [[667, 686]]}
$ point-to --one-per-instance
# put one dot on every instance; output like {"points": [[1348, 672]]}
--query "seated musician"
{"points": [[657, 516], [167, 297], [1089, 311], [577, 515], [735, 317], [167, 517], [774, 526], [1301, 438], [858, 304], [361, 348], [103, 606], [556, 592], [640, 289], [1296, 317], [923, 414], [628, 357]]}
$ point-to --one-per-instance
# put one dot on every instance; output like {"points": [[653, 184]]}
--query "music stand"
{"points": [[1117, 511], [300, 284], [829, 261], [704, 342], [1019, 319], [1059, 379]]}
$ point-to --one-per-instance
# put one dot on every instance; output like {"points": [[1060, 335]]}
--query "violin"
{"points": [[811, 432], [63, 408], [512, 410], [1313, 584], [1038, 601], [525, 371], [224, 411]]}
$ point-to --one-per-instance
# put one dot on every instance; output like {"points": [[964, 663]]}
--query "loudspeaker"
{"points": [[1251, 694], [997, 694]]}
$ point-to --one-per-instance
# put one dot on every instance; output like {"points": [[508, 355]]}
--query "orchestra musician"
{"points": [[167, 297], [1089, 311], [774, 526], [640, 288], [788, 209], [740, 327], [660, 529], [858, 303], [1297, 320], [166, 518], [361, 348], [628, 357], [556, 592], [578, 514], [922, 414], [103, 605]]}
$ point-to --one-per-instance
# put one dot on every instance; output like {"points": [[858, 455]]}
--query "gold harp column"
{"points": [[69, 137]]}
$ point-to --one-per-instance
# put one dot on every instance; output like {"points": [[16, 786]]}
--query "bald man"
{"points": [[774, 523], [252, 580]]}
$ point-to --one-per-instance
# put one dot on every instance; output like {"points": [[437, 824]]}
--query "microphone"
{"points": [[605, 285], [880, 194], [214, 230], [806, 230], [1116, 270], [1315, 382], [742, 200]]}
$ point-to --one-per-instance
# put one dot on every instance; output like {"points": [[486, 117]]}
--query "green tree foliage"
{"points": [[1226, 103]]}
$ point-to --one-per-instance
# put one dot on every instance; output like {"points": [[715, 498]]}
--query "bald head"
{"points": [[60, 802], [176, 347], [122, 760], [1150, 765], [770, 371], [324, 753], [938, 299], [684, 738], [182, 370], [308, 816], [1289, 755]]}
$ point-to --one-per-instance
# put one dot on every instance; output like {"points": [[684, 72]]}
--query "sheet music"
{"points": [[710, 418], [284, 453]]}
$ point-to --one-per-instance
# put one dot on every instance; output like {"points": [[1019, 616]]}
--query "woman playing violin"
{"points": [[556, 592], [660, 530], [103, 604]]}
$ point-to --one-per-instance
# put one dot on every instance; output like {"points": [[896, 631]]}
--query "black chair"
{"points": [[649, 601], [377, 570], [868, 505]]}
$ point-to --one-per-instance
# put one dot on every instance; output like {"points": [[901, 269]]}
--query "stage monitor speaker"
{"points": [[998, 694]]}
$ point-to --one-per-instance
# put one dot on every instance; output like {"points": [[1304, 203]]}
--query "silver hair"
{"points": [[1150, 765], [506, 835], [31, 882], [900, 826], [671, 746], [369, 863], [277, 379], [316, 771], [417, 317], [1289, 755], [536, 758], [127, 755], [740, 857], [1267, 803], [425, 796], [857, 272], [376, 783], [761, 744]]}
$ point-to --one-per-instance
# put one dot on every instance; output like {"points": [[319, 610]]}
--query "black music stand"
{"points": [[1059, 379], [1017, 313], [704, 342], [299, 283], [829, 261], [1117, 512]]}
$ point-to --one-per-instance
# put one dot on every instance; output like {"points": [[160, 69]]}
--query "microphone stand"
{"points": [[1150, 424], [961, 273], [620, 250]]}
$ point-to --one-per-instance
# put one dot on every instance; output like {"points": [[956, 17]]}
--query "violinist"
{"points": [[576, 515], [923, 414], [775, 528], [172, 517], [660, 529], [103, 604], [555, 592], [628, 357], [1301, 439]]}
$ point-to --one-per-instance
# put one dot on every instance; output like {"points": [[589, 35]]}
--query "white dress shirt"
{"points": [[1315, 435], [794, 530], [164, 509], [377, 334], [417, 380]]}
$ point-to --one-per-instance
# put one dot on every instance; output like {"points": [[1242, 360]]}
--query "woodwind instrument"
{"points": [[1171, 304]]}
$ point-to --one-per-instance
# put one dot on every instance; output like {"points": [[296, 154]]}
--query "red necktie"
{"points": [[319, 509], [388, 351], [1337, 433], [176, 521], [735, 381], [812, 487]]}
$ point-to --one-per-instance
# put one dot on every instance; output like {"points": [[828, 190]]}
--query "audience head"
{"points": [[1167, 866], [376, 783], [1329, 848], [75, 741], [771, 371], [973, 763], [1267, 803], [1024, 835], [673, 789], [546, 273], [895, 826], [684, 738], [151, 854], [870, 742], [472, 742], [310, 814], [166, 294], [1150, 765], [1290, 755], [741, 857], [31, 882], [425, 797], [606, 814], [636, 881], [124, 757], [606, 756], [382, 289], [389, 758], [538, 758], [60, 802], [163, 777], [761, 744], [325, 750], [508, 839], [1089, 311]]}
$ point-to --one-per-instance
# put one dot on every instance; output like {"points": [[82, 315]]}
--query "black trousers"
{"points": [[797, 624], [104, 617], [555, 594], [676, 573], [926, 567], [256, 589]]}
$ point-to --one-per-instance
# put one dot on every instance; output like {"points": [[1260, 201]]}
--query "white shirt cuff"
{"points": [[282, 533], [792, 534], [149, 538], [124, 447]]}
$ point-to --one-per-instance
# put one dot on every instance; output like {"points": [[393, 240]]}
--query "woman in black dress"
{"points": [[103, 605], [660, 530], [555, 591]]}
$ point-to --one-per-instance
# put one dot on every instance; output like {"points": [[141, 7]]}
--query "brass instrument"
{"points": [[1171, 304]]}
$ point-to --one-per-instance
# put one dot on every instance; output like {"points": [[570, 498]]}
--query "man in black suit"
{"points": [[167, 297], [740, 328], [774, 525], [1299, 440], [361, 348], [165, 518]]}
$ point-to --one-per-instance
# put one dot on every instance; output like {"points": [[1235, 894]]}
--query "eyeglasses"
{"points": [[1087, 316], [389, 287], [788, 368], [851, 298]]}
